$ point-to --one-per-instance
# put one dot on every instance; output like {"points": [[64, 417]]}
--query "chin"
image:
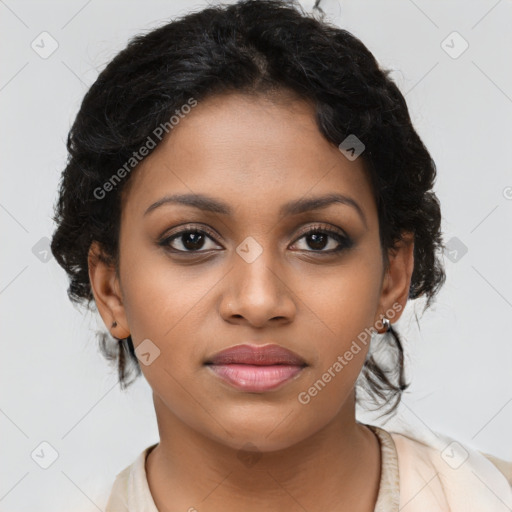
{"points": [[268, 434]]}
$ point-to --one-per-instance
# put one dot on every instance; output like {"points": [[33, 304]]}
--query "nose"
{"points": [[257, 294]]}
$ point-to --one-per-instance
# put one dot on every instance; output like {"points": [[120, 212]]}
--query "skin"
{"points": [[255, 154]]}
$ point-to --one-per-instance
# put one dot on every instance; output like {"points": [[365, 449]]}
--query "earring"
{"points": [[387, 324], [114, 324]]}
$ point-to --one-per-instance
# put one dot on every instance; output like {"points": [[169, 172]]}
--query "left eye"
{"points": [[319, 240]]}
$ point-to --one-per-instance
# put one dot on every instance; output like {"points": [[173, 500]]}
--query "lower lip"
{"points": [[255, 378]]}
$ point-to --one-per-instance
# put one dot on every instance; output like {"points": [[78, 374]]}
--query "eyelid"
{"points": [[185, 228], [321, 227]]}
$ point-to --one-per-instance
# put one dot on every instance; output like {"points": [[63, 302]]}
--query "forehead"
{"points": [[252, 150]]}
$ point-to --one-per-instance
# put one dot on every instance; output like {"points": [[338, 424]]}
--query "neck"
{"points": [[337, 467]]}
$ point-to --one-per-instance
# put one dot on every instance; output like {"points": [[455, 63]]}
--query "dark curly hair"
{"points": [[252, 47]]}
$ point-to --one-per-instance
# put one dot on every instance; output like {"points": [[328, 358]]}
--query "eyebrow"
{"points": [[210, 204]]}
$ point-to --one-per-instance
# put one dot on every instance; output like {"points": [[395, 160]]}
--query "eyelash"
{"points": [[344, 241]]}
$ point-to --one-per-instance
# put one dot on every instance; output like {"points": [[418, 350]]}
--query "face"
{"points": [[259, 266]]}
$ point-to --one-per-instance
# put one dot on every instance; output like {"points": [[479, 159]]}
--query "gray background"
{"points": [[57, 388]]}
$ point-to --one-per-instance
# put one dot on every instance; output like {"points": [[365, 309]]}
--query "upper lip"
{"points": [[257, 355]]}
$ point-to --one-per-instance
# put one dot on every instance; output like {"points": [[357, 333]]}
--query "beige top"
{"points": [[428, 479]]}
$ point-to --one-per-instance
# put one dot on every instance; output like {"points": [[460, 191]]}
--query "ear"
{"points": [[397, 279], [106, 290]]}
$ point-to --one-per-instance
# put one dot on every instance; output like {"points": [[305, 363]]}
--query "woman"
{"points": [[248, 205]]}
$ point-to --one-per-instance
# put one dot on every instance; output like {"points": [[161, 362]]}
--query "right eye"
{"points": [[187, 240]]}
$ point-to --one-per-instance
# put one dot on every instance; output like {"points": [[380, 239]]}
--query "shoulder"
{"points": [[118, 497], [130, 490], [503, 465], [449, 475]]}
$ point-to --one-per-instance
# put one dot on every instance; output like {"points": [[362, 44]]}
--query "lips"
{"points": [[257, 355], [256, 369]]}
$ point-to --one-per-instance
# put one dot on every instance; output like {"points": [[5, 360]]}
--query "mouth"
{"points": [[256, 369]]}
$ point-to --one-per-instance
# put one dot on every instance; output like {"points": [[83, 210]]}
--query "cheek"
{"points": [[341, 313], [344, 302], [166, 304], [154, 292]]}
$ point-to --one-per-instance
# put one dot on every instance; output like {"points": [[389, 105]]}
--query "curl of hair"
{"points": [[259, 47]]}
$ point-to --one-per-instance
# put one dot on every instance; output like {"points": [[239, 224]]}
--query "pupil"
{"points": [[196, 240], [316, 244]]}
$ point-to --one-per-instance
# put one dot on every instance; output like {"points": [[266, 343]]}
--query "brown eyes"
{"points": [[317, 239]]}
